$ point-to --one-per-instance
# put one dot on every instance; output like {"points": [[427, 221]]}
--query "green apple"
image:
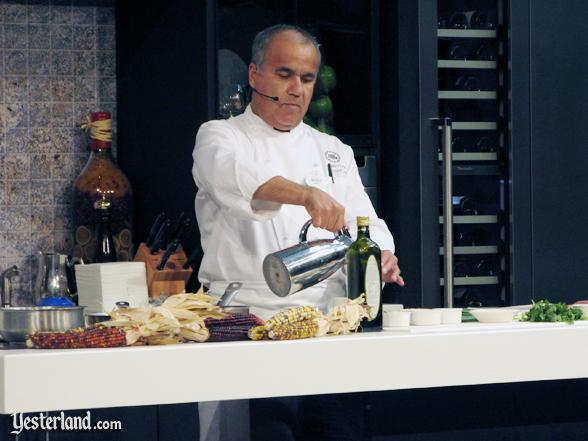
{"points": [[327, 78], [322, 107]]}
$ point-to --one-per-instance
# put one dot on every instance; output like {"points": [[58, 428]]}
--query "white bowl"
{"points": [[450, 315], [425, 317], [494, 315], [395, 318]]}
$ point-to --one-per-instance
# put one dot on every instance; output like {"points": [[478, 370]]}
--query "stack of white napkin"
{"points": [[101, 285]]}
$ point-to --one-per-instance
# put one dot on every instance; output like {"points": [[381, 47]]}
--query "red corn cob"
{"points": [[94, 337]]}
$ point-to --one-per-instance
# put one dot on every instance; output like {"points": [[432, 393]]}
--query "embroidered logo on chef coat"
{"points": [[332, 157]]}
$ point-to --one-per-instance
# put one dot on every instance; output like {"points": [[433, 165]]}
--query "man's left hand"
{"points": [[390, 268]]}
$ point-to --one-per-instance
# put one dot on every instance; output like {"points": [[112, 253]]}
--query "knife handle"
{"points": [[156, 245], [155, 228], [168, 252], [195, 254]]}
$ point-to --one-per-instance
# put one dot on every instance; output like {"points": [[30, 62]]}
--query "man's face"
{"points": [[289, 72]]}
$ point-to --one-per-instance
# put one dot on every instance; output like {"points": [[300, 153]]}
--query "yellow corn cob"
{"points": [[293, 331], [290, 316], [257, 333]]}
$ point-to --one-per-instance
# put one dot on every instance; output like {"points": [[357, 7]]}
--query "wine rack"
{"points": [[470, 92]]}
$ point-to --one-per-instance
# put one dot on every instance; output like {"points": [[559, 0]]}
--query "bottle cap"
{"points": [[363, 221]]}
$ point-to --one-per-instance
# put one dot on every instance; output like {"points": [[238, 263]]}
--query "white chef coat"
{"points": [[232, 159]]}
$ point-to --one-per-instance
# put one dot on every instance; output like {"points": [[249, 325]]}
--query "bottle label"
{"points": [[372, 286]]}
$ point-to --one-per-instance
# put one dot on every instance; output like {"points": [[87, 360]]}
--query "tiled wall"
{"points": [[57, 63]]}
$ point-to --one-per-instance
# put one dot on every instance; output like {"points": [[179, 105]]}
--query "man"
{"points": [[262, 174]]}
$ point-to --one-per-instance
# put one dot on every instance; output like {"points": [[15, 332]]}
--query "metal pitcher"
{"points": [[54, 276], [305, 264]]}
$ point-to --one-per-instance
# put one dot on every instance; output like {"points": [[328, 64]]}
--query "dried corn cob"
{"points": [[290, 316], [234, 320], [257, 333], [294, 331], [94, 337], [228, 333]]}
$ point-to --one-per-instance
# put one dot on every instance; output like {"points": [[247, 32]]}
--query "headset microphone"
{"points": [[269, 97]]}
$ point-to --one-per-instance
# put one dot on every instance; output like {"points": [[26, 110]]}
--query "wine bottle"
{"points": [[458, 20], [451, 50], [364, 274], [464, 206], [485, 145], [105, 248], [102, 179], [482, 20], [486, 52], [467, 82]]}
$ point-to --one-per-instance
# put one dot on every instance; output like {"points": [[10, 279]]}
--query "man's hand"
{"points": [[390, 269], [325, 211]]}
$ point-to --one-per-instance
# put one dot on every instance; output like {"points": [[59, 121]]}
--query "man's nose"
{"points": [[295, 87]]}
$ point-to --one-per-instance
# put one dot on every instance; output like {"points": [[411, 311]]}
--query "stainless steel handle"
{"points": [[308, 223], [447, 210]]}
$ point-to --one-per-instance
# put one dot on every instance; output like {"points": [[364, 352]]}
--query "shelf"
{"points": [[489, 249], [474, 125], [466, 64], [473, 156], [480, 219], [463, 281], [466, 95], [466, 33]]}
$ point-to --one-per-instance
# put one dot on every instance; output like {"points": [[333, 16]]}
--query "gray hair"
{"points": [[263, 38]]}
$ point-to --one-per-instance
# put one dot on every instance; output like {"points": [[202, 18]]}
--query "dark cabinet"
{"points": [[549, 179]]}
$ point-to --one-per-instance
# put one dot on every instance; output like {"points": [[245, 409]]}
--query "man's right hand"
{"points": [[324, 211]]}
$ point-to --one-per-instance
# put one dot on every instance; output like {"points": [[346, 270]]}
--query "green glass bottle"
{"points": [[364, 273]]}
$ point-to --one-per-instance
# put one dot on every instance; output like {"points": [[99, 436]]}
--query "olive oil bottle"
{"points": [[364, 273]]}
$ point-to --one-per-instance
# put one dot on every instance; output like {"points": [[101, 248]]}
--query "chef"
{"points": [[260, 177], [263, 174]]}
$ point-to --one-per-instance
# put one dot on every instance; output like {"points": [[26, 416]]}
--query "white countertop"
{"points": [[448, 355]]}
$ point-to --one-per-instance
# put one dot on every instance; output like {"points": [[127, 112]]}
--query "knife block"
{"points": [[171, 279]]}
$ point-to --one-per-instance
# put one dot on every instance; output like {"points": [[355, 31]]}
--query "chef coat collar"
{"points": [[258, 123]]}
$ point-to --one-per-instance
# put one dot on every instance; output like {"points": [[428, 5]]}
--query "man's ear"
{"points": [[252, 71]]}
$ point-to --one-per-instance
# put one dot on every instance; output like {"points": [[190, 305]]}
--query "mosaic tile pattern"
{"points": [[57, 64]]}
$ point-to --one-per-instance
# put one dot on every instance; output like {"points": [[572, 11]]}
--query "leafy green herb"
{"points": [[544, 311]]}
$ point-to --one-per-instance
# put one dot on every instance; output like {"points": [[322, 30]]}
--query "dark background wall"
{"points": [[162, 100]]}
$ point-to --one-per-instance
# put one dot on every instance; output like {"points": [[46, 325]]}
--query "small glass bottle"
{"points": [[364, 273], [105, 250], [102, 180]]}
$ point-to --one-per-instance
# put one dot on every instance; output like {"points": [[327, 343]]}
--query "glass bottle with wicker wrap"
{"points": [[102, 180], [364, 273]]}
